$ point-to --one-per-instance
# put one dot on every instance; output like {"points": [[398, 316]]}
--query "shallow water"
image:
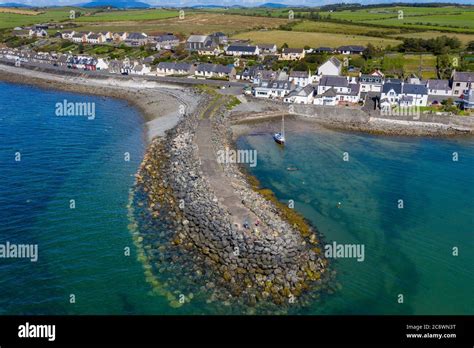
{"points": [[407, 251]]}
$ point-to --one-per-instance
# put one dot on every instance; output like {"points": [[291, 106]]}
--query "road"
{"points": [[105, 74]]}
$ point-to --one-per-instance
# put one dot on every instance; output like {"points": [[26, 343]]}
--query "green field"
{"points": [[464, 38], [445, 18], [422, 65], [11, 20], [301, 39]]}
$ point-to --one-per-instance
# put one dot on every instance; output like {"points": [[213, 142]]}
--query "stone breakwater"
{"points": [[272, 266]]}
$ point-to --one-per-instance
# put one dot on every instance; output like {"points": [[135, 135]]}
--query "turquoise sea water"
{"points": [[407, 251], [81, 250]]}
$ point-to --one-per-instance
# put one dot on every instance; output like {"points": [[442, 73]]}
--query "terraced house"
{"points": [[208, 70], [168, 68], [461, 82]]}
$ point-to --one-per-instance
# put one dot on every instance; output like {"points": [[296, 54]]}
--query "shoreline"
{"points": [[153, 104]]}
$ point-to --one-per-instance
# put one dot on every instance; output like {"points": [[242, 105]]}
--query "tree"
{"points": [[285, 45], [470, 46]]}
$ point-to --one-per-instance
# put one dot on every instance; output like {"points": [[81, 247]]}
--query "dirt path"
{"points": [[221, 184]]}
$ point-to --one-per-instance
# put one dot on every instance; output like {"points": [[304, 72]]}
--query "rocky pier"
{"points": [[205, 219]]}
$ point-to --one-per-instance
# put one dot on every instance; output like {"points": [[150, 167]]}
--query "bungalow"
{"points": [[196, 42], [239, 51], [301, 95], [350, 49], [267, 48], [273, 88], [168, 68], [136, 39], [332, 67], [301, 78], [292, 54], [414, 95], [370, 83], [208, 70], [166, 42], [323, 50], [461, 82]]}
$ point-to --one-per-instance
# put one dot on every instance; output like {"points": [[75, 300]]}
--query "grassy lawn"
{"points": [[301, 39]]}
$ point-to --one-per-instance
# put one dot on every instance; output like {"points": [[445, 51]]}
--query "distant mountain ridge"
{"points": [[13, 4]]}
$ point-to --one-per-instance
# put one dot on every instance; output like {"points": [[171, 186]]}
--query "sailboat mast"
{"points": [[283, 126]]}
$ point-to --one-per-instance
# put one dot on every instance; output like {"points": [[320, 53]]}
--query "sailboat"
{"points": [[280, 137]]}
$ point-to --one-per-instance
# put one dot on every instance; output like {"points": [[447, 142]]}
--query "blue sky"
{"points": [[221, 2]]}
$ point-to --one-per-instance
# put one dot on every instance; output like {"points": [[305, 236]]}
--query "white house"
{"points": [[239, 51], [95, 39], [413, 95], [439, 88], [267, 48], [67, 34], [301, 78], [38, 32], [339, 83], [273, 89], [292, 54], [169, 68], [208, 70], [391, 93], [333, 90], [301, 95], [370, 83], [140, 69], [102, 64], [332, 67]]}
